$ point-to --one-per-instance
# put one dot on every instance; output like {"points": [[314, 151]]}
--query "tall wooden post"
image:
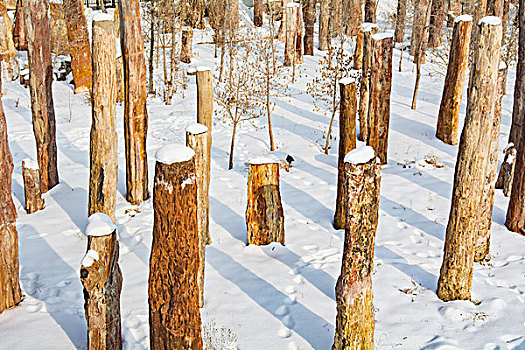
{"points": [[104, 144], [448, 117], [40, 86], [258, 12], [186, 44], [518, 109], [437, 17], [359, 43], [19, 32], [336, 17], [174, 316], [102, 281], [264, 211], [293, 53], [364, 89], [380, 89], [10, 293], [135, 113], [197, 139], [400, 21], [354, 17], [419, 40], [487, 204], [324, 22], [309, 23], [472, 165], [78, 36], [347, 142], [354, 327], [32, 193]]}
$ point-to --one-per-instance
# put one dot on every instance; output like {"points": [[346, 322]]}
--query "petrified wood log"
{"points": [[33, 195], [186, 44], [506, 172], [293, 52]]}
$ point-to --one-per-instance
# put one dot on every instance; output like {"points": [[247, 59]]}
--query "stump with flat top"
{"points": [[354, 327], [264, 211], [102, 281], [174, 314], [33, 195]]}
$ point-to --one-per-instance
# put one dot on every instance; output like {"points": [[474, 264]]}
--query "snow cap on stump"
{"points": [[368, 26], [196, 128], [99, 224], [381, 36], [490, 20], [203, 68], [463, 18], [360, 155], [263, 160], [174, 153], [101, 16], [347, 80], [293, 4], [30, 164]]}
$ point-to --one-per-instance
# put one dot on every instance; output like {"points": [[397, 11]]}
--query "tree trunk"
{"points": [[370, 11], [19, 33], [355, 315], [336, 17], [152, 23], [448, 117], [104, 144], [174, 315], [420, 22], [102, 281], [380, 89], [324, 22], [347, 142], [121, 92], [78, 36], [353, 18], [294, 35], [483, 237], [364, 88], [186, 42], [204, 114], [518, 110], [197, 139], [258, 13], [40, 83], [135, 113], [506, 172], [472, 166], [281, 33], [7, 46], [437, 17], [264, 211], [358, 55], [400, 20], [309, 23], [10, 293], [495, 8], [33, 196]]}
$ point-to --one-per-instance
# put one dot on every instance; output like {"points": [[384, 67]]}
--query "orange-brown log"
{"points": [[33, 195], [400, 20], [19, 33], [365, 51]]}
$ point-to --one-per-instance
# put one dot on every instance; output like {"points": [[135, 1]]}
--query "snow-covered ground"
{"points": [[271, 297]]}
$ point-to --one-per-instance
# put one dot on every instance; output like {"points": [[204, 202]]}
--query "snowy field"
{"points": [[271, 297]]}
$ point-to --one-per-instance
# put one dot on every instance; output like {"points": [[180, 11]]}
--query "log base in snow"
{"points": [[34, 200], [102, 280], [264, 211], [506, 172]]}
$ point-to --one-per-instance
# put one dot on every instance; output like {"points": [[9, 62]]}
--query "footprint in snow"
{"points": [[40, 235], [288, 321], [284, 332], [33, 306], [290, 290], [63, 283], [402, 225], [281, 311], [290, 300]]}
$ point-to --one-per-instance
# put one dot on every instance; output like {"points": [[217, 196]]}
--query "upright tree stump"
{"points": [[186, 44], [19, 32], [400, 21], [293, 52], [354, 17], [370, 10], [347, 142], [518, 109], [174, 315], [419, 40], [472, 166], [324, 23], [135, 113], [437, 17], [7, 45], [264, 211], [364, 89], [336, 17], [506, 171], [197, 139], [258, 13], [10, 293], [78, 36], [487, 204], [33, 195], [104, 144], [40, 86], [448, 117], [365, 27], [380, 89], [281, 33], [309, 23], [355, 316], [102, 281]]}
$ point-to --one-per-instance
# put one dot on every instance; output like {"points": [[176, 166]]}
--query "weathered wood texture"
{"points": [[7, 46], [448, 117], [472, 167], [174, 315], [487, 204], [197, 139], [104, 144], [102, 281], [364, 88], [58, 29], [358, 54], [400, 21], [370, 10], [281, 34], [78, 35], [437, 17], [336, 17], [309, 23], [135, 113], [495, 8], [264, 211], [186, 44], [10, 293], [352, 16], [258, 12], [19, 33], [380, 90], [518, 109], [293, 52], [421, 18], [121, 90], [40, 86], [324, 22], [347, 142], [355, 315], [506, 171], [33, 195]]}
